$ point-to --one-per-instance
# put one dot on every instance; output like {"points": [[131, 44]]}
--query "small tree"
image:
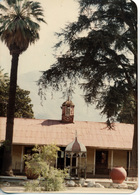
{"points": [[23, 106], [41, 164]]}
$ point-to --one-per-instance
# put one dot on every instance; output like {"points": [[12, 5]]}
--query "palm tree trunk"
{"points": [[7, 158]]}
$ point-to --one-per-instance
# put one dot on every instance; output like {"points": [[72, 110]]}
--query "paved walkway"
{"points": [[74, 190], [16, 188]]}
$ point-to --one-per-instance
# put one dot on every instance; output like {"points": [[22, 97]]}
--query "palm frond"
{"points": [[2, 7], [10, 2], [19, 22]]}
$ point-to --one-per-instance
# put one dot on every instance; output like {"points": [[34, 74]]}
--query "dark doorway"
{"points": [[101, 162], [28, 150], [60, 159]]}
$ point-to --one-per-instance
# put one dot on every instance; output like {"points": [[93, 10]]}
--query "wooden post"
{"points": [[80, 165], [65, 161], [94, 161], [71, 155], [21, 161], [111, 159], [76, 163], [129, 160], [85, 165]]}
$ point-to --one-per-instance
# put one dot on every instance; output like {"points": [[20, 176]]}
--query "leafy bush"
{"points": [[41, 162], [41, 159], [54, 181], [32, 186]]}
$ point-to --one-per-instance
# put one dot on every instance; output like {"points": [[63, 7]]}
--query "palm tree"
{"points": [[18, 28]]}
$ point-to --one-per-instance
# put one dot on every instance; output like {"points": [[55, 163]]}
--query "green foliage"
{"points": [[3, 92], [41, 163], [23, 106], [127, 111], [102, 52], [19, 23], [47, 153], [41, 159], [3, 145], [54, 180], [32, 186]]}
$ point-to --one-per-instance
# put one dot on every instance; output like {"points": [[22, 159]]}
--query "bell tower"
{"points": [[67, 111]]}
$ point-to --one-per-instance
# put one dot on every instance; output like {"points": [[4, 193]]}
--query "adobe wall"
{"points": [[119, 159]]}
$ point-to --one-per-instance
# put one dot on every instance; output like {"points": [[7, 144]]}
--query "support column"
{"points": [[129, 160], [111, 159], [65, 160], [94, 161], [76, 163], [80, 165], [85, 165], [21, 161], [71, 155]]}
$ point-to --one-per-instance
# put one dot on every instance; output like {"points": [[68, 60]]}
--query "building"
{"points": [[106, 147]]}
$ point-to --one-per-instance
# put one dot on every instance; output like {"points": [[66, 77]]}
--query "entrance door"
{"points": [[101, 162]]}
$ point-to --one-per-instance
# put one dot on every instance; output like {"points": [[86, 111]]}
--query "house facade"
{"points": [[106, 148]]}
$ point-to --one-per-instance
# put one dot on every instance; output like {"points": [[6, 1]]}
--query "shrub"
{"points": [[54, 181], [41, 163], [32, 186]]}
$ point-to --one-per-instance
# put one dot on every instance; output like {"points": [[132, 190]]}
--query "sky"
{"points": [[39, 56]]}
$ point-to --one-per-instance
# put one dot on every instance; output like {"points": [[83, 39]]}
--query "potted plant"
{"points": [[32, 166], [40, 160], [30, 171]]}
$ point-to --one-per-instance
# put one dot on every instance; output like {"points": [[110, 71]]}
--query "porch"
{"points": [[99, 161]]}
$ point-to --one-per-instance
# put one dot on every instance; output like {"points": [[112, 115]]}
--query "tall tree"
{"points": [[102, 50], [23, 106], [127, 111], [18, 28]]}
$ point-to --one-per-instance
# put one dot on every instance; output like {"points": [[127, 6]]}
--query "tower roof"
{"points": [[68, 103], [75, 146]]}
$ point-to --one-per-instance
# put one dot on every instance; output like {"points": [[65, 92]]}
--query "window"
{"points": [[67, 111]]}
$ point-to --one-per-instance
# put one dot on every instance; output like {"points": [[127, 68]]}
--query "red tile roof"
{"points": [[92, 134]]}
